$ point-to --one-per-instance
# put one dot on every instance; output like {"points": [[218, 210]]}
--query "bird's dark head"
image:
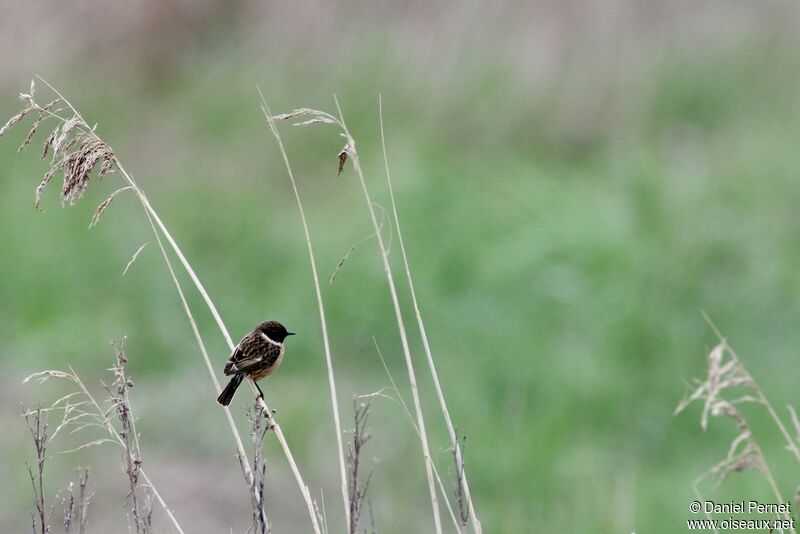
{"points": [[274, 330]]}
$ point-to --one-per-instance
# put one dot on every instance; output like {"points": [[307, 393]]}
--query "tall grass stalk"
{"points": [[412, 378], [476, 524], [349, 151], [402, 403], [323, 323], [155, 221]]}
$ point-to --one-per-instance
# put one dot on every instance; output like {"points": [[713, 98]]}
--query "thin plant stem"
{"points": [[412, 379], [204, 352], [318, 291], [476, 524], [153, 216], [402, 403], [274, 426], [115, 434]]}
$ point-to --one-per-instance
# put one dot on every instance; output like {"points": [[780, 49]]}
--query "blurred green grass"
{"points": [[561, 268]]}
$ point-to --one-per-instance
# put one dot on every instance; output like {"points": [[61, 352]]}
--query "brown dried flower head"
{"points": [[75, 149]]}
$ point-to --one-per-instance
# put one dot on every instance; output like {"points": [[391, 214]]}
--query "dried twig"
{"points": [[256, 484], [75, 509], [461, 498], [357, 488], [83, 500], [81, 411], [37, 424], [68, 503], [139, 496]]}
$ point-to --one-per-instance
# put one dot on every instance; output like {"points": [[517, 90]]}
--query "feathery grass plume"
{"points": [[77, 164], [727, 385], [76, 149], [37, 424], [105, 204], [255, 484], [38, 122], [81, 412], [357, 488], [28, 99]]}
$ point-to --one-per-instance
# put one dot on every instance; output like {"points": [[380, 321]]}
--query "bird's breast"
{"points": [[267, 370]]}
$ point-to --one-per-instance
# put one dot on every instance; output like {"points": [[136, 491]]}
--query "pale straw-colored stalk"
{"points": [[318, 291], [412, 379], [476, 524], [154, 218]]}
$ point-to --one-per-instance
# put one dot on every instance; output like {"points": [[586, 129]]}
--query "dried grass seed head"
{"points": [[76, 164]]}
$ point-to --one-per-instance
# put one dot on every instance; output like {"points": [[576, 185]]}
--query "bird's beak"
{"points": [[289, 333]]}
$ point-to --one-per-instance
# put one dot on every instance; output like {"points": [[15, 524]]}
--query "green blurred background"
{"points": [[576, 182]]}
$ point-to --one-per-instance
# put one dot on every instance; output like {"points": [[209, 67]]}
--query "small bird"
{"points": [[257, 355]]}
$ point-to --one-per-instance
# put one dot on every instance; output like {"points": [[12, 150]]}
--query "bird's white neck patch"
{"points": [[269, 339]]}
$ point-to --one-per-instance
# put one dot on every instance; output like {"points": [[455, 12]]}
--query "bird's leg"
{"points": [[267, 415]]}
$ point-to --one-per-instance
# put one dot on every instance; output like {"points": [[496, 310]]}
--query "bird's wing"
{"points": [[253, 351]]}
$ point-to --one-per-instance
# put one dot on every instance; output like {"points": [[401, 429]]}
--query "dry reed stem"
{"points": [[476, 524], [58, 140], [75, 509], [353, 154], [323, 323], [141, 509], [349, 152], [260, 523], [358, 490], [38, 428], [461, 499], [153, 217], [83, 501], [155, 220], [402, 403]]}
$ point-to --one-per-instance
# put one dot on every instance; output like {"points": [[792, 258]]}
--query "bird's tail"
{"points": [[227, 393]]}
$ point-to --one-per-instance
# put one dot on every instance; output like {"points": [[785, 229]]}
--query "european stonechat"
{"points": [[257, 355]]}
